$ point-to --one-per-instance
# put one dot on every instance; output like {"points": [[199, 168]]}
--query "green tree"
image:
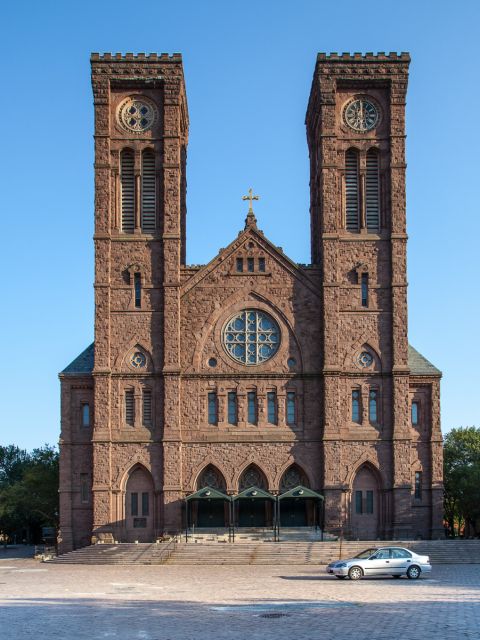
{"points": [[28, 491], [462, 479]]}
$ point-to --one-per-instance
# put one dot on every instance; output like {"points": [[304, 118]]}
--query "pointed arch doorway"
{"points": [[139, 507], [295, 511], [253, 504], [212, 511], [365, 504]]}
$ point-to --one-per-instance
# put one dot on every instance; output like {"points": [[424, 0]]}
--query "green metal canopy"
{"points": [[254, 493], [301, 492], [208, 493]]}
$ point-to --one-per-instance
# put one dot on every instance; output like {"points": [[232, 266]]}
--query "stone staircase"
{"points": [[120, 553], [318, 553], [263, 553]]}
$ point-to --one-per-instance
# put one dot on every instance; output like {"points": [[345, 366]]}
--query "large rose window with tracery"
{"points": [[251, 337]]}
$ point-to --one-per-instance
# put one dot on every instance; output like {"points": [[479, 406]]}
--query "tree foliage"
{"points": [[28, 492], [462, 480]]}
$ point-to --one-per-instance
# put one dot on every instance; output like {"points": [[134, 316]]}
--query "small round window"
{"points": [[137, 114], [251, 337]]}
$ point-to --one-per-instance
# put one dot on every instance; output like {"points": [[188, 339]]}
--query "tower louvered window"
{"points": [[147, 406], [148, 192], [127, 177], [372, 192], [352, 208], [129, 407]]}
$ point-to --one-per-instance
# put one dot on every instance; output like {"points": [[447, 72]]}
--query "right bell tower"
{"points": [[356, 135]]}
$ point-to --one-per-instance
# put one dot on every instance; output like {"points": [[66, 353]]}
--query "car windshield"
{"points": [[365, 554]]}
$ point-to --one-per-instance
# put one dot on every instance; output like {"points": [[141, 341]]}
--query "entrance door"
{"points": [[252, 512], [139, 506], [365, 505], [211, 513], [293, 512]]}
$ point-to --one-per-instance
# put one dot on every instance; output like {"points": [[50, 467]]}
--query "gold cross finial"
{"points": [[251, 198]]}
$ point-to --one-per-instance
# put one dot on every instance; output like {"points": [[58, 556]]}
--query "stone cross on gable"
{"points": [[250, 220], [250, 197]]}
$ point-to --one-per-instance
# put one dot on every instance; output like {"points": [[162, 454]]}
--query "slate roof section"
{"points": [[83, 364], [420, 366]]}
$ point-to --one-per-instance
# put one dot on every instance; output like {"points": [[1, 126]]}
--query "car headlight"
{"points": [[341, 565]]}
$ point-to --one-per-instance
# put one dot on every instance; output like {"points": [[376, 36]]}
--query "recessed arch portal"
{"points": [[253, 511], [139, 507], [366, 504], [295, 511], [210, 512]]}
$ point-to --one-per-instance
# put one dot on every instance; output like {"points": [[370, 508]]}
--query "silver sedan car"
{"points": [[381, 561]]}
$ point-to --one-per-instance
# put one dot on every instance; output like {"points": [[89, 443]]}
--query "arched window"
{"points": [[373, 406], [137, 286], [293, 477], [211, 477], [127, 179], [148, 209], [355, 405], [352, 208], [252, 477], [212, 407], [372, 192]]}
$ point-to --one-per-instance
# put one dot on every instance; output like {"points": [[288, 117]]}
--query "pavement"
{"points": [[71, 602]]}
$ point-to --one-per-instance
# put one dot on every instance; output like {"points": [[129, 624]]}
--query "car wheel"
{"points": [[355, 573], [413, 572], [341, 577], [396, 576]]}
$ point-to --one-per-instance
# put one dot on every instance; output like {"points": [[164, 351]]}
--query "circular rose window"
{"points": [[138, 360], [137, 114], [365, 359], [251, 337]]}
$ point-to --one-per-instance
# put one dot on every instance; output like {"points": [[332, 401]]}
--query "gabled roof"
{"points": [[254, 493], [301, 492], [420, 366], [208, 493], [250, 231], [82, 363]]}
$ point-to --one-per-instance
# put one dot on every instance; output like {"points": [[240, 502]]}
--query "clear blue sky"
{"points": [[248, 71]]}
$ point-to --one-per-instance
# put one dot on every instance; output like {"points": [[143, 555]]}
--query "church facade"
{"points": [[251, 372]]}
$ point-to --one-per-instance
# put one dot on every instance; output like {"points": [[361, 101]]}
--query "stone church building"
{"points": [[250, 377]]}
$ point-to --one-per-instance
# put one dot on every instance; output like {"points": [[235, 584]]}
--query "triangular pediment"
{"points": [[250, 235]]}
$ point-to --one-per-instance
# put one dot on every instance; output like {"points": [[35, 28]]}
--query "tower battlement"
{"points": [[363, 57], [144, 57]]}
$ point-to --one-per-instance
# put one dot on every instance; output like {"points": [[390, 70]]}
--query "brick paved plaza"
{"points": [[198, 602]]}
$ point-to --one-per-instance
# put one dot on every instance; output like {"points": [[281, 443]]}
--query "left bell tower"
{"points": [[141, 130]]}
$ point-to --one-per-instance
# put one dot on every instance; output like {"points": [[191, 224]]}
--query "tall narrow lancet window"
{"points": [[137, 285], [272, 407], [212, 408], [364, 289], [352, 207], [148, 192], [373, 406], [127, 179], [355, 405], [252, 407], [232, 407], [372, 192]]}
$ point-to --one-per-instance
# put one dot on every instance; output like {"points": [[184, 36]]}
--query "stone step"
{"points": [[281, 553]]}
